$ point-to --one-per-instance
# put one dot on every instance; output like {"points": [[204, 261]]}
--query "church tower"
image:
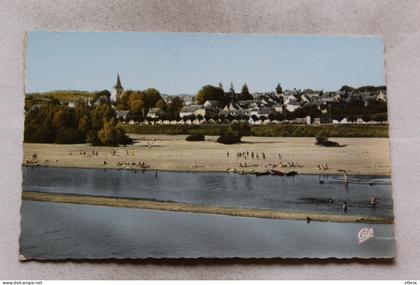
{"points": [[117, 90]]}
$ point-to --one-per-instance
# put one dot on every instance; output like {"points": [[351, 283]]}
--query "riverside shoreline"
{"points": [[359, 156], [190, 208]]}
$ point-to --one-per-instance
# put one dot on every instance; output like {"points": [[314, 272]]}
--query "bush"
{"points": [[195, 138], [331, 144], [323, 140], [229, 137], [234, 133]]}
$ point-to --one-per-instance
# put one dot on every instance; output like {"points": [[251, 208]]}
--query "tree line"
{"points": [[53, 122]]}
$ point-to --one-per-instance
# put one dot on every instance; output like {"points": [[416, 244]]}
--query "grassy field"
{"points": [[181, 207], [345, 131]]}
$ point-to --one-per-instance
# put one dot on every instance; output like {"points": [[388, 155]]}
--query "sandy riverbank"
{"points": [[360, 156], [181, 207]]}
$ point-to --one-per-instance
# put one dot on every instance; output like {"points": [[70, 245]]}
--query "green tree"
{"points": [[69, 136], [100, 114], [161, 104], [232, 94], [234, 133], [135, 95], [112, 135], [381, 118], [60, 119], [92, 138], [84, 123], [279, 90], [151, 97], [245, 93], [346, 88], [136, 110], [210, 92], [136, 106], [55, 123], [174, 107], [231, 89]]}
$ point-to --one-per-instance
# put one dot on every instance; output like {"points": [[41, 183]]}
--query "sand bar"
{"points": [[181, 207], [360, 156]]}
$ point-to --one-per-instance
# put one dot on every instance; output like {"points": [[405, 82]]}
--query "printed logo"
{"points": [[365, 234]]}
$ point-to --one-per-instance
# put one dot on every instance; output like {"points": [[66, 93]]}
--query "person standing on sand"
{"points": [[227, 154]]}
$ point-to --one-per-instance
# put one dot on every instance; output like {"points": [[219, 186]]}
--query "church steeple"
{"points": [[117, 90], [118, 85]]}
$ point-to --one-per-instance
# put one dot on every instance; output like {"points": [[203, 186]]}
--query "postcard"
{"points": [[169, 145]]}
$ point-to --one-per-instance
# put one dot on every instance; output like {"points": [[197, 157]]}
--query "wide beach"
{"points": [[358, 156]]}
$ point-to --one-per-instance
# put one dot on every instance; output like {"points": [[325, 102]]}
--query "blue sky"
{"points": [[176, 63]]}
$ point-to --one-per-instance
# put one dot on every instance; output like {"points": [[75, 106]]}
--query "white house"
{"points": [[212, 105], [292, 106], [381, 97], [192, 110], [121, 114], [153, 113]]}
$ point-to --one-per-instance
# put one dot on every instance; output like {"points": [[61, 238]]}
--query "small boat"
{"points": [[262, 173], [277, 173], [291, 173]]}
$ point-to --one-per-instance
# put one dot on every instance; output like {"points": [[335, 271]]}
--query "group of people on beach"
{"points": [[34, 159], [251, 156], [247, 154], [128, 152], [140, 164], [323, 166], [83, 152]]}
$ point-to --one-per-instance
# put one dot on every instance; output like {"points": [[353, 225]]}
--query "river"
{"points": [[60, 231], [300, 193]]}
